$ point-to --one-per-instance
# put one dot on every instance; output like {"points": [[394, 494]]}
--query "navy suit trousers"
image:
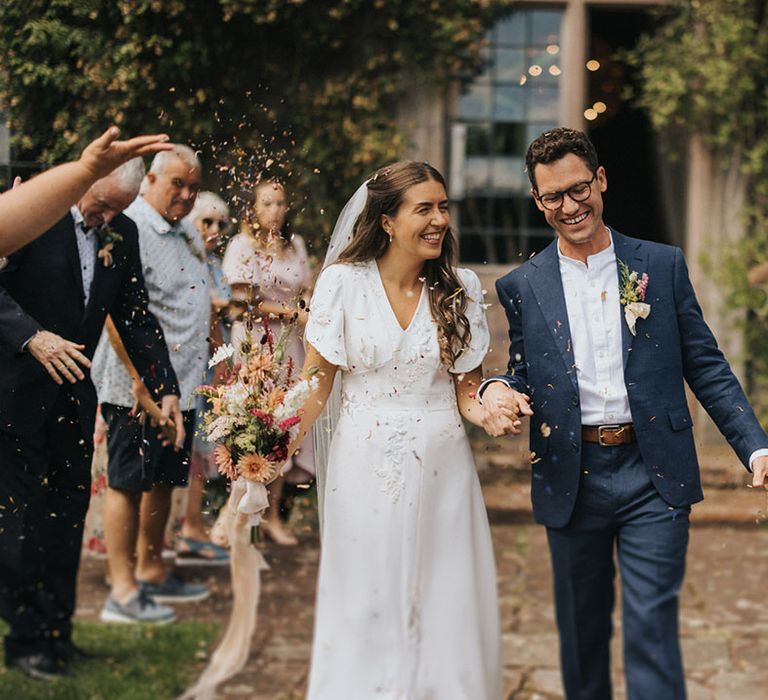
{"points": [[45, 486], [619, 515]]}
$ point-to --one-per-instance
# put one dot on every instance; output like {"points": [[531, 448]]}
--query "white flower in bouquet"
{"points": [[235, 396], [295, 398], [223, 352], [220, 428]]}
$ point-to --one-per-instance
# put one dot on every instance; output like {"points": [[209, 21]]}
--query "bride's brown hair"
{"points": [[447, 296]]}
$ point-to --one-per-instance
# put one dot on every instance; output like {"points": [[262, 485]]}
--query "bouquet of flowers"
{"points": [[255, 413]]}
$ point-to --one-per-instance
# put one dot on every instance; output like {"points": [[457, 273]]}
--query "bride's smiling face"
{"points": [[419, 227]]}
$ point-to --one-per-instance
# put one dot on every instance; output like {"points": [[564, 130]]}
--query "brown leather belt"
{"points": [[607, 435]]}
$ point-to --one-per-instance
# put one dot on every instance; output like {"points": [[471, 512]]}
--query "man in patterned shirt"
{"points": [[142, 471]]}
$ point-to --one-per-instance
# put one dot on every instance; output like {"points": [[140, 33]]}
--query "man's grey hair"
{"points": [[179, 150], [128, 176], [184, 153]]}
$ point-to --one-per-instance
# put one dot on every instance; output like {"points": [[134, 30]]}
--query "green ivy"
{"points": [[704, 71], [304, 89]]}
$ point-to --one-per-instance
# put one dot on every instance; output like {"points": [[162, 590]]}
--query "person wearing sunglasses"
{"points": [[210, 216]]}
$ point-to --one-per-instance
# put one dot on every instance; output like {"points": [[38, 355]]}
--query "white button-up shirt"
{"points": [[177, 281], [594, 315], [87, 242]]}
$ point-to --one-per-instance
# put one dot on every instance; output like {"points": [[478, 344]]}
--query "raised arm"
{"points": [[33, 207]]}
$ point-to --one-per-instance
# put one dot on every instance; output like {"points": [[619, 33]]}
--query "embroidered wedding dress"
{"points": [[406, 605]]}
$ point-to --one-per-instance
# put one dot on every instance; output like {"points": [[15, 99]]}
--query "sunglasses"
{"points": [[221, 223]]}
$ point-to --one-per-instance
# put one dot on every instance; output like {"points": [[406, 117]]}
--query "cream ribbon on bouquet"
{"points": [[254, 416], [247, 500], [633, 311]]}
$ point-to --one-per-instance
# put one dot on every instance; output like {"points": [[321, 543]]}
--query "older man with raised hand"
{"points": [[54, 296], [142, 471]]}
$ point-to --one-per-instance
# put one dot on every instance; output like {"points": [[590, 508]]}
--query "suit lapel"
{"points": [[547, 285], [631, 252]]}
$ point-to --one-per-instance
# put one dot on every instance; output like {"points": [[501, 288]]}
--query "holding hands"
{"points": [[760, 472], [504, 408]]}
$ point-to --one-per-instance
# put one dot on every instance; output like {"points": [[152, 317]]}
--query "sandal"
{"points": [[191, 552]]}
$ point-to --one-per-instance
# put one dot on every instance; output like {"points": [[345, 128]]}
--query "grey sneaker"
{"points": [[174, 590], [139, 608]]}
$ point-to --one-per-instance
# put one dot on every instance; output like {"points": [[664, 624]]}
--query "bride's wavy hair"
{"points": [[447, 296]]}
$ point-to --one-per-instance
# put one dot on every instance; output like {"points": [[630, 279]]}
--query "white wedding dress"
{"points": [[406, 604]]}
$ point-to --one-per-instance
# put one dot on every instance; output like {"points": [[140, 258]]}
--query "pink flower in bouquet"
{"points": [[256, 468], [265, 418], [288, 423]]}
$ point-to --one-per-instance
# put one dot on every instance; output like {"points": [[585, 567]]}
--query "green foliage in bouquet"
{"points": [[704, 71]]}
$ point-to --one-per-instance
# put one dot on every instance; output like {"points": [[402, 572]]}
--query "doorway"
{"points": [[625, 141]]}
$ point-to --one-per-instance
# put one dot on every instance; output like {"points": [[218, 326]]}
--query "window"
{"points": [[500, 111]]}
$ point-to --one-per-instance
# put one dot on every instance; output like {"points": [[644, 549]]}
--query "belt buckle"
{"points": [[601, 428]]}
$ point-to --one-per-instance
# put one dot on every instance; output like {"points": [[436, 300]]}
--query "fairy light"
{"points": [[535, 70], [590, 114], [593, 65], [553, 49], [555, 70], [599, 107]]}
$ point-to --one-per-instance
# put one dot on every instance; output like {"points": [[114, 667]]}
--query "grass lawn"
{"points": [[133, 663]]}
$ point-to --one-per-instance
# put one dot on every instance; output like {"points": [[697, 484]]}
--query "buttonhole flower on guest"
{"points": [[108, 239], [632, 295]]}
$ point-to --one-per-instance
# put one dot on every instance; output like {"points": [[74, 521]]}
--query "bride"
{"points": [[406, 605]]}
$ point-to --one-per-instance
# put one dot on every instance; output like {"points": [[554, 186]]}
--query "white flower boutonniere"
{"points": [[109, 238], [632, 295]]}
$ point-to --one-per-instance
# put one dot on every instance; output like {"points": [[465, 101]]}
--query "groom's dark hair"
{"points": [[556, 144]]}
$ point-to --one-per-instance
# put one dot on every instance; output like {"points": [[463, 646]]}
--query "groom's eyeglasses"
{"points": [[578, 193]]}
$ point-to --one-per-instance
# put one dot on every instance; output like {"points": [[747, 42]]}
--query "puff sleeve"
{"points": [[240, 265], [325, 328], [473, 356]]}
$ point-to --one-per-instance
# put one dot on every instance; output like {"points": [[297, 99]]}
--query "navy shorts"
{"points": [[137, 458]]}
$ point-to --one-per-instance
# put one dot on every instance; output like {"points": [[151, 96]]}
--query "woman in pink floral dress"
{"points": [[270, 273]]}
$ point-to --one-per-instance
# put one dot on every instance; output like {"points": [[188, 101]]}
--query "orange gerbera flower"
{"points": [[275, 398], [223, 458], [261, 365], [256, 468]]}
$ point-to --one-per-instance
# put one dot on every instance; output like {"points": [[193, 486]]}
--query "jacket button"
{"points": [[575, 401]]}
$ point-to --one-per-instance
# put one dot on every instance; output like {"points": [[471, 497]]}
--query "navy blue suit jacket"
{"points": [[41, 288], [673, 346]]}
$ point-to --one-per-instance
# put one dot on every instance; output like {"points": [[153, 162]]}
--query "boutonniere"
{"points": [[632, 295], [108, 239]]}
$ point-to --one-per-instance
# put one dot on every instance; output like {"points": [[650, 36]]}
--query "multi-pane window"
{"points": [[500, 112]]}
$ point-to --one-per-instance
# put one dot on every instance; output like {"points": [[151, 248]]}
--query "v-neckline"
{"points": [[388, 304]]}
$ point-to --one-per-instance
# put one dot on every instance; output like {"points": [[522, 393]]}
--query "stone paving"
{"points": [[724, 620]]}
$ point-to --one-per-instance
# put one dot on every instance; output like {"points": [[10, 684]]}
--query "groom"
{"points": [[605, 331]]}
